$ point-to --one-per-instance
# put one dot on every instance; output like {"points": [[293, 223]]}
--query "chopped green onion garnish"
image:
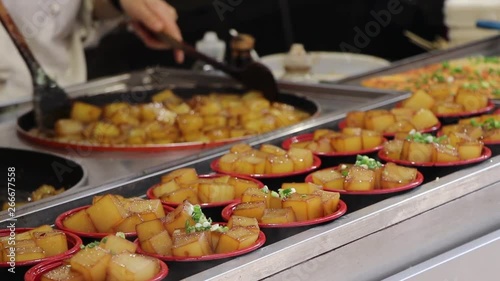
{"points": [[90, 245], [345, 173], [446, 64], [424, 138], [284, 193], [120, 234], [367, 162]]}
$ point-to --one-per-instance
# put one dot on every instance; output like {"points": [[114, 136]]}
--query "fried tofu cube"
{"points": [[253, 209], [278, 216], [193, 244], [305, 206], [113, 210], [236, 239], [91, 263]]}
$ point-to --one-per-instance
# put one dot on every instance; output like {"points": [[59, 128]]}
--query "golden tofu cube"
{"points": [[305, 206], [148, 229], [347, 143], [253, 209], [240, 185], [273, 149], [471, 100], [128, 266], [129, 223], [215, 192], [115, 244], [329, 201], [378, 120], [278, 165], [160, 243], [190, 122], [179, 195], [113, 210], [52, 243], [177, 219], [246, 222], [79, 221], [445, 153], [240, 148], [355, 119], [68, 127], [85, 112], [419, 99], [165, 188], [393, 148], [254, 194], [328, 178], [301, 187], [417, 152], [228, 161], [394, 175], [141, 206], [423, 119], [91, 263], [278, 216], [62, 273], [359, 178], [181, 176], [302, 158], [236, 239], [470, 150], [193, 244]]}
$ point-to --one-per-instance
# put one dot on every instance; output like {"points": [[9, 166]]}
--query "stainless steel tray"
{"points": [[486, 47], [290, 249]]}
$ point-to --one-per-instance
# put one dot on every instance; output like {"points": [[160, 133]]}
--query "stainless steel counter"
{"points": [[379, 236]]}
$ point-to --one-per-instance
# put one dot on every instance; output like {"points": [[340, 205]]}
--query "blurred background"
{"points": [[318, 24]]}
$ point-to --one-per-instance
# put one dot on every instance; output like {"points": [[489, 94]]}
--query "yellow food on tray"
{"points": [[41, 192], [113, 213], [396, 120], [346, 140], [185, 184], [485, 128], [170, 119], [268, 159], [112, 258], [478, 74], [38, 243], [417, 147], [294, 202], [186, 232], [364, 175]]}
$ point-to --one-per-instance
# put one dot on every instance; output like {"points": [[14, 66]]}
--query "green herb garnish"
{"points": [[90, 245], [439, 77], [496, 92], [201, 221], [345, 173], [424, 138], [284, 193], [446, 64], [488, 124], [367, 162], [457, 70]]}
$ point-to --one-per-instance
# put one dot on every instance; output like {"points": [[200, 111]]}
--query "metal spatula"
{"points": [[50, 101], [254, 76]]}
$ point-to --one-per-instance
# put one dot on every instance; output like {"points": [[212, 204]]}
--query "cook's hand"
{"points": [[157, 16]]}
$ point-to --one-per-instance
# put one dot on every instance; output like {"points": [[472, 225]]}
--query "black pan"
{"points": [[27, 170], [27, 122]]}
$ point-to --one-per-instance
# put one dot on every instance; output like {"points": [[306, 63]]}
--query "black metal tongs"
{"points": [[50, 102]]}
